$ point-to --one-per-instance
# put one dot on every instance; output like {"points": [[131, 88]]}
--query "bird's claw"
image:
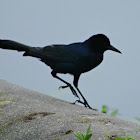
{"points": [[72, 89], [85, 104], [63, 87]]}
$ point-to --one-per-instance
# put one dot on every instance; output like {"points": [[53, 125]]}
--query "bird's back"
{"points": [[72, 58]]}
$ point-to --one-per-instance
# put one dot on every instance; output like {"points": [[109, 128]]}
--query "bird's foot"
{"points": [[85, 104], [63, 87], [72, 89]]}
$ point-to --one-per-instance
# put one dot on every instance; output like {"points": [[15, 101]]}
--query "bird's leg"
{"points": [[85, 103], [75, 82], [67, 84]]}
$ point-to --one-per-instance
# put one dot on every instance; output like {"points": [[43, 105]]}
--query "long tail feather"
{"points": [[12, 45]]}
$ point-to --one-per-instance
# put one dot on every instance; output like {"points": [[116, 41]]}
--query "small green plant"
{"points": [[115, 112], [81, 136], [88, 135], [126, 138], [105, 109], [116, 138]]}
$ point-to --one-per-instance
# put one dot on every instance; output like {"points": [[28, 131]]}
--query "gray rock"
{"points": [[29, 115]]}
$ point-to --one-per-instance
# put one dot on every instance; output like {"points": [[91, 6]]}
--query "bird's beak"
{"points": [[113, 49]]}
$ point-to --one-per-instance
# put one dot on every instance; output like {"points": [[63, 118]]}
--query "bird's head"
{"points": [[100, 43]]}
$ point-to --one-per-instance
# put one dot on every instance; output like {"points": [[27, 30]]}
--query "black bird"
{"points": [[75, 58]]}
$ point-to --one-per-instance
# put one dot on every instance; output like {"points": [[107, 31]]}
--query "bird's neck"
{"points": [[96, 48]]}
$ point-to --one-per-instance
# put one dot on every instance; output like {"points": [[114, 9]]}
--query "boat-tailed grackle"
{"points": [[75, 58]]}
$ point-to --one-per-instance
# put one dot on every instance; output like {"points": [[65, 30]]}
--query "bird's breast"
{"points": [[89, 62]]}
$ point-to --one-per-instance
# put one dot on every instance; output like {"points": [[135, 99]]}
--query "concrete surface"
{"points": [[29, 115]]}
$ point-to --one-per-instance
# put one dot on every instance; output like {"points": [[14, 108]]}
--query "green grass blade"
{"points": [[119, 138], [129, 138], [78, 135], [87, 137], [115, 112], [105, 109], [88, 130]]}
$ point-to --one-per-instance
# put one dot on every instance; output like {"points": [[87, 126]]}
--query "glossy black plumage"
{"points": [[75, 58]]}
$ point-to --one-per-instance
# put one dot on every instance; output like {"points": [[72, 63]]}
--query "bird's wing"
{"points": [[58, 53]]}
